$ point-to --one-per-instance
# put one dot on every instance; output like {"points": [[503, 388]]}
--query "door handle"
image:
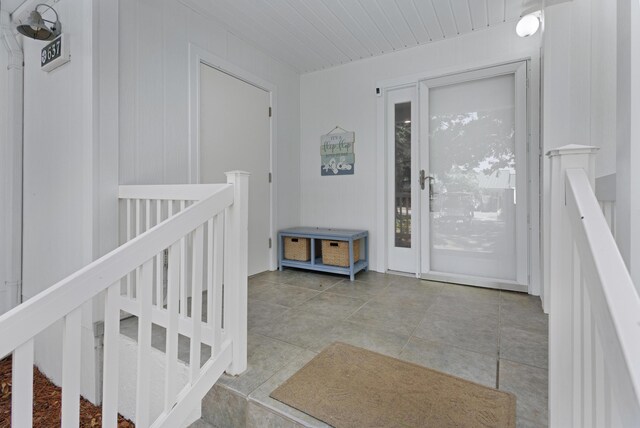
{"points": [[422, 178]]}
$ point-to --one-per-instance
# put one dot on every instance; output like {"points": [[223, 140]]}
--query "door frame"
{"points": [[412, 97], [198, 56], [534, 141]]}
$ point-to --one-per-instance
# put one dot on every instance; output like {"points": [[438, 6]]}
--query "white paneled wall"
{"points": [[154, 95], [345, 96], [4, 93], [70, 170], [628, 136], [9, 234], [609, 211], [603, 84], [580, 81]]}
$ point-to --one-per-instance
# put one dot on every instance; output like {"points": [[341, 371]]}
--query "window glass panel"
{"points": [[403, 175], [472, 193]]}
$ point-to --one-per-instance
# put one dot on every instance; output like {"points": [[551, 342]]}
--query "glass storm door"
{"points": [[474, 197], [402, 165]]}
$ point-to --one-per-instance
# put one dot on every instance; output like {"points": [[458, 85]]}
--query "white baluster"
{"points": [[71, 369], [129, 277], [210, 273], [147, 214], [600, 386], [588, 352], [196, 302], [138, 231], [138, 218], [171, 357], [159, 262], [218, 264], [147, 226], [577, 289], [111, 344], [143, 384], [183, 271], [22, 385]]}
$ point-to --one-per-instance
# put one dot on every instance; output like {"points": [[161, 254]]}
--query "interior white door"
{"points": [[235, 133], [474, 153], [402, 166]]}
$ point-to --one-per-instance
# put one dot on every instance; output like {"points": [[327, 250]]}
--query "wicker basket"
{"points": [[336, 253], [297, 249]]}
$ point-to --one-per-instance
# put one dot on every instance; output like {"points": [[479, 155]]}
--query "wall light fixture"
{"points": [[35, 27], [528, 24]]}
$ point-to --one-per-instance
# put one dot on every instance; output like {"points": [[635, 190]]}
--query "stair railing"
{"points": [[215, 226], [594, 317]]}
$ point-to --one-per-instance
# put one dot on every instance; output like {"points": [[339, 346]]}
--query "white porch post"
{"points": [[558, 293], [236, 247], [11, 171]]}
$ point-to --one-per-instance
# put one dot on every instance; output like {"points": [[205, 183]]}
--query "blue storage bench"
{"points": [[315, 263]]}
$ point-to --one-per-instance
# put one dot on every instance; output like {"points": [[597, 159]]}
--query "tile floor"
{"points": [[495, 338]]}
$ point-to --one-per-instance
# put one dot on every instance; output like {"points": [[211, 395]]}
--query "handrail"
{"points": [[164, 192], [39, 312]]}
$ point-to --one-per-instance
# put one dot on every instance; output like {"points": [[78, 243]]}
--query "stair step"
{"points": [[224, 407], [201, 423]]}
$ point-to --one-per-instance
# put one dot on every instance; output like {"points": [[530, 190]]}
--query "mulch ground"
{"points": [[47, 402]]}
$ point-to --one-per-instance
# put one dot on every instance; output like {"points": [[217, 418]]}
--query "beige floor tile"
{"points": [[388, 316], [359, 289], [448, 359], [473, 333], [332, 305], [265, 357], [298, 328], [261, 395], [524, 346], [529, 384], [369, 338], [283, 295]]}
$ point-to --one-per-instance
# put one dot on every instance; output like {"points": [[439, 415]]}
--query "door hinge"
{"points": [[270, 112], [269, 242], [270, 178]]}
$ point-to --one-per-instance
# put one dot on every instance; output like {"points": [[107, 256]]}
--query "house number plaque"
{"points": [[55, 53]]}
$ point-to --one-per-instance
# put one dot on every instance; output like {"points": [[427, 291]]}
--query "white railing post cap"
{"points": [[230, 173], [573, 149]]}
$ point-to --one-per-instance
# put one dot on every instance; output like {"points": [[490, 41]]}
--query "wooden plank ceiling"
{"points": [[312, 35], [10, 5]]}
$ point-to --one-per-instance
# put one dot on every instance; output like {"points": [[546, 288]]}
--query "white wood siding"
{"points": [[154, 95]]}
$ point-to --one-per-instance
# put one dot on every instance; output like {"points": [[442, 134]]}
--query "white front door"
{"points": [[402, 165], [474, 155], [235, 135]]}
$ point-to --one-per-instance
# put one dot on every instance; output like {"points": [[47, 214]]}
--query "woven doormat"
{"points": [[346, 386]]}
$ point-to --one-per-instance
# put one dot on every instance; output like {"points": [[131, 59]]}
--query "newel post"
{"points": [[558, 289], [236, 247]]}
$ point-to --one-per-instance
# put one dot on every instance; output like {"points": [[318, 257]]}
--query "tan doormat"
{"points": [[346, 386]]}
